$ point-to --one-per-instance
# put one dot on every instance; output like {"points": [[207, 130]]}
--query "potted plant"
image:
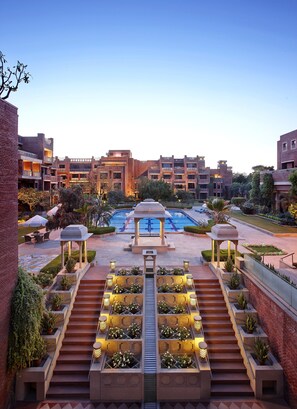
{"points": [[177, 271], [116, 333], [162, 271], [123, 272], [184, 361], [241, 302], [177, 288], [261, 351], [234, 281], [229, 266], [48, 322], [250, 324], [65, 283], [71, 262], [164, 288], [167, 360], [118, 289], [134, 330], [136, 270], [182, 333], [135, 289], [38, 353], [56, 302], [133, 308], [179, 309], [121, 360], [163, 307], [166, 331]]}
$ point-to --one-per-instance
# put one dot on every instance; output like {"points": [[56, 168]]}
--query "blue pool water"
{"points": [[173, 224]]}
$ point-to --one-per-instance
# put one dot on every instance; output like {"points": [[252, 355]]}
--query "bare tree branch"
{"points": [[10, 79]]}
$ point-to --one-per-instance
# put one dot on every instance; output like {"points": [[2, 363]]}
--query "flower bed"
{"points": [[177, 361], [177, 332], [165, 308], [133, 331], [119, 307], [133, 289], [166, 271], [122, 360], [134, 271], [264, 249]]}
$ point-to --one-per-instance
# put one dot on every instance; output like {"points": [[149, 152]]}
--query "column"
{"points": [[80, 253], [86, 252], [229, 249], [218, 254], [62, 254], [162, 234], [136, 224], [213, 251]]}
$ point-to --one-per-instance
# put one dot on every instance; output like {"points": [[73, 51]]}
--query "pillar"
{"points": [[136, 224], [69, 249], [80, 253], [162, 233], [218, 254], [213, 250], [62, 254], [86, 253], [229, 249]]}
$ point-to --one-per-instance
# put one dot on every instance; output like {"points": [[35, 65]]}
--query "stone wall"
{"points": [[281, 327], [8, 234]]}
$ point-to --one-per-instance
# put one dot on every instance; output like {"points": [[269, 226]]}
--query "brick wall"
{"points": [[8, 234], [281, 328]]}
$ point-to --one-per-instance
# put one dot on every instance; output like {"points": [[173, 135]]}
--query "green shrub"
{"points": [[48, 322], [237, 201], [261, 350], [56, 302], [65, 283], [234, 281], [54, 266], [229, 266], [206, 254], [242, 301], [25, 341], [199, 229], [250, 324], [70, 265], [101, 230], [43, 279]]}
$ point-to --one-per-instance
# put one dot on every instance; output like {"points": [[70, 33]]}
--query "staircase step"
{"points": [[217, 331], [79, 349], [88, 326], [61, 380], [231, 390], [221, 339], [73, 391], [224, 357], [75, 359], [235, 378], [78, 340], [227, 367], [69, 368], [223, 348]]}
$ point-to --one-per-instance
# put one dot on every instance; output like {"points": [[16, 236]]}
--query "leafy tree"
{"points": [[261, 168], [219, 208], [255, 191], [267, 189], [154, 189], [33, 197], [101, 212], [240, 178], [25, 323], [115, 197], [184, 196], [293, 179], [71, 199], [10, 79]]}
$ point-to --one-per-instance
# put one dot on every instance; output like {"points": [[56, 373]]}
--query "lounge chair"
{"points": [[46, 235], [28, 238]]}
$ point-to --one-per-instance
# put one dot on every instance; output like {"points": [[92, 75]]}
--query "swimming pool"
{"points": [[176, 223]]}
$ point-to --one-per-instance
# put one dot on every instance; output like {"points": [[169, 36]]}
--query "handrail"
{"points": [[287, 255]]}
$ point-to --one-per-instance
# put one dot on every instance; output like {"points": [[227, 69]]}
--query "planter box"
{"points": [[116, 385], [233, 294], [65, 295], [268, 379], [52, 340], [249, 339], [240, 315], [31, 375], [185, 384], [60, 315]]}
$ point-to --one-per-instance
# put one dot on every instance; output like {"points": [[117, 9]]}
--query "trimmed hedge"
{"points": [[206, 254], [101, 230], [54, 266], [197, 229]]}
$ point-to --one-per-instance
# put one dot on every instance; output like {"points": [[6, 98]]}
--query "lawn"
{"points": [[22, 230], [257, 221]]}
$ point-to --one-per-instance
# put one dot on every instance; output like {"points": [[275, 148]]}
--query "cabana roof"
{"points": [[149, 208], [75, 232], [223, 232]]}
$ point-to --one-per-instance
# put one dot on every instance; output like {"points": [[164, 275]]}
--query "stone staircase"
{"points": [[70, 378], [229, 377]]}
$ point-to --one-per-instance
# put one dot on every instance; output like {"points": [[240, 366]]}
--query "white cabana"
{"points": [[54, 210], [149, 208], [220, 233], [36, 221], [74, 233]]}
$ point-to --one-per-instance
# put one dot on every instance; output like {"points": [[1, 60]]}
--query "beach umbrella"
{"points": [[36, 221]]}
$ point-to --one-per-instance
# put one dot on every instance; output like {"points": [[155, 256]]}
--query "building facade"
{"points": [[35, 163], [118, 170], [286, 164]]}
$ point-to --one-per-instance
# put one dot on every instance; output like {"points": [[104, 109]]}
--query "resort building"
{"points": [[286, 164], [35, 163], [118, 170]]}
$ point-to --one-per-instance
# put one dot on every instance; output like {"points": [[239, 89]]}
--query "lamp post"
{"points": [[97, 351]]}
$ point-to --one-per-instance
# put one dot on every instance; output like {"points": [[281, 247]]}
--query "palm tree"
{"points": [[100, 212], [219, 209]]}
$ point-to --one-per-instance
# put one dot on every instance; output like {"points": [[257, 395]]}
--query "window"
{"points": [[293, 144], [74, 176], [166, 165], [166, 177], [61, 166], [191, 185], [203, 177], [117, 186], [154, 177], [178, 177], [103, 175], [191, 165], [178, 186], [117, 175], [203, 186], [285, 146], [191, 177]]}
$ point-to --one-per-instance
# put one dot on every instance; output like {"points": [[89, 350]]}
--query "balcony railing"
{"points": [[28, 154], [30, 174]]}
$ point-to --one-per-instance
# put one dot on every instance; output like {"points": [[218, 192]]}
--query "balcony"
{"points": [[27, 155], [29, 174], [281, 177], [180, 171]]}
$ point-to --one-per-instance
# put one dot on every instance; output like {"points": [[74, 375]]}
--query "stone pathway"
{"points": [[34, 263]]}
